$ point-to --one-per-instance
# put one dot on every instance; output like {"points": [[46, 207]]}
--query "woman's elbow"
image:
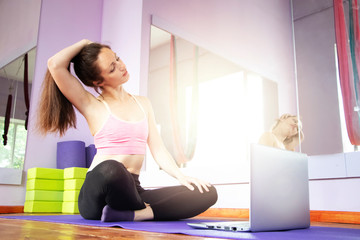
{"points": [[51, 63]]}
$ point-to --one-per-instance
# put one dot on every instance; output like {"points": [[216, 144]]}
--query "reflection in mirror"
{"points": [[286, 133], [208, 109], [13, 93], [321, 101]]}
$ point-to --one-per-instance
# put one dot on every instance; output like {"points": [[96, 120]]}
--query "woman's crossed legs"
{"points": [[112, 193]]}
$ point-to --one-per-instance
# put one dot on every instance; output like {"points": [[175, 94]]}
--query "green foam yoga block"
{"points": [[45, 184], [75, 172], [71, 195], [70, 207], [44, 195], [73, 184], [45, 173], [42, 206]]}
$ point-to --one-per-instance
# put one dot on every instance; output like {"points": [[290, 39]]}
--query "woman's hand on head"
{"points": [[190, 181], [87, 41]]}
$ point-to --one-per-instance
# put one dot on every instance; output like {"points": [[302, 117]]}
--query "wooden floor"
{"points": [[13, 229]]}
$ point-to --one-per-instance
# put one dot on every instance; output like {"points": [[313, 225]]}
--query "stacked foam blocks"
{"points": [[44, 190], [73, 180], [53, 190]]}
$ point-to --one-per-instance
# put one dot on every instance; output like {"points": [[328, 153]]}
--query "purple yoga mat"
{"points": [[312, 233], [70, 154]]}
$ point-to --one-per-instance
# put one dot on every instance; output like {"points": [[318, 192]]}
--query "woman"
{"points": [[122, 125], [284, 134]]}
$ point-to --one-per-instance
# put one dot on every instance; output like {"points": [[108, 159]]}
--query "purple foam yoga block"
{"points": [[70, 154], [90, 153]]}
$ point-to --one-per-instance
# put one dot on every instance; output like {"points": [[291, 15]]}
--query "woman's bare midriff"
{"points": [[133, 163]]}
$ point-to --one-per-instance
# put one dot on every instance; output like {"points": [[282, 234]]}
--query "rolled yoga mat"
{"points": [[70, 154], [90, 153], [312, 233]]}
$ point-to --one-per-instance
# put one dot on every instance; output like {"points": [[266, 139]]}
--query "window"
{"points": [[13, 153], [227, 131]]}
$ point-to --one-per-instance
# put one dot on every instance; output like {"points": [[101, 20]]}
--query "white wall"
{"points": [[333, 180]]}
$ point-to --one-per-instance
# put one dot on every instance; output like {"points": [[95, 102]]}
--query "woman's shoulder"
{"points": [[140, 97], [145, 101]]}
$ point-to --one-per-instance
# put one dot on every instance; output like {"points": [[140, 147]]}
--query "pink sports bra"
{"points": [[120, 137]]}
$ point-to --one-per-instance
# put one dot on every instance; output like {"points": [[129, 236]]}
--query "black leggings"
{"points": [[110, 183]]}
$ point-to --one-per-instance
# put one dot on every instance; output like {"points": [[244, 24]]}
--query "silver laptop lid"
{"points": [[279, 189]]}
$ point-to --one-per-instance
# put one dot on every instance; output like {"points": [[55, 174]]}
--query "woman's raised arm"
{"points": [[70, 87], [60, 91]]}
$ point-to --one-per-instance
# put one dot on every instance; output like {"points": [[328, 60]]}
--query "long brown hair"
{"points": [[56, 113]]}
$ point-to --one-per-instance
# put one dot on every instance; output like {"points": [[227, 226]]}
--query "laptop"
{"points": [[279, 193]]}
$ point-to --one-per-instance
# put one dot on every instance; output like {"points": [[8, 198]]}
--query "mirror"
{"points": [[12, 81], [317, 74], [208, 109]]}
